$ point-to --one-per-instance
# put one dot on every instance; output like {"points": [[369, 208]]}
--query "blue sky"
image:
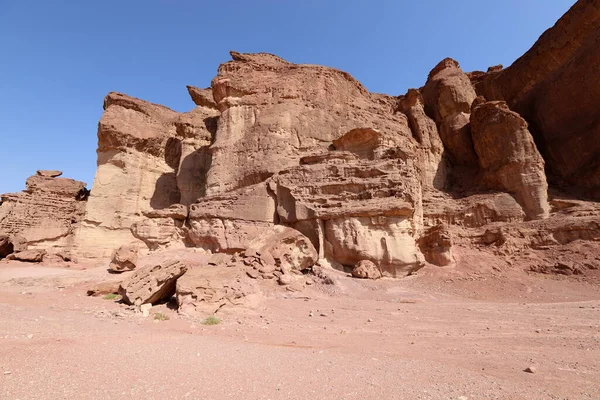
{"points": [[60, 58]]}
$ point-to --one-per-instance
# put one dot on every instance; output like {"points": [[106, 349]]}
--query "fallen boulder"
{"points": [[32, 255], [152, 284], [208, 288], [124, 259], [366, 269]]}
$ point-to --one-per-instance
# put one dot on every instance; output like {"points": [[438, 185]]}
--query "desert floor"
{"points": [[441, 334]]}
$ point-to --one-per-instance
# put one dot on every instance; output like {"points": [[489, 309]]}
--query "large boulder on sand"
{"points": [[208, 288], [124, 259], [152, 284], [366, 269]]}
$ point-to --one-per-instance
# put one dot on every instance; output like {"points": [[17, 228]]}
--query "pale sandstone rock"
{"points": [[152, 284], [159, 233], [366, 269], [291, 250], [354, 208], [509, 157], [208, 288], [141, 166], [125, 258]]}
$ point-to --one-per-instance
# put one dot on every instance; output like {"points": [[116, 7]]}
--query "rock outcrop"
{"points": [[46, 214], [550, 87], [448, 96], [283, 169], [509, 157]]}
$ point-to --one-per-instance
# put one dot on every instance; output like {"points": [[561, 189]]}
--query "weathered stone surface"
{"points": [[125, 258], [52, 173], [366, 269], [46, 214], [448, 96], [175, 211], [355, 208], [149, 158], [433, 165], [550, 87], [152, 284], [6, 246], [509, 157], [32, 255], [159, 233], [436, 246], [278, 111], [208, 288], [288, 248]]}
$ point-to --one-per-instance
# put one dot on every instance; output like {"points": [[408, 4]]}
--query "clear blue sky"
{"points": [[60, 58]]}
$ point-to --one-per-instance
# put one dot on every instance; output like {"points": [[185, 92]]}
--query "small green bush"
{"points": [[212, 320], [161, 317], [111, 296]]}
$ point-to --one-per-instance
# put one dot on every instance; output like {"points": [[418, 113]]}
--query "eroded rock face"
{"points": [[281, 166], [436, 245], [278, 111], [149, 158], [46, 214], [509, 157], [550, 87], [448, 96]]}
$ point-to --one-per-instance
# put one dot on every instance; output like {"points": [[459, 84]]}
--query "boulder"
{"points": [[436, 246], [125, 258], [31, 255], [152, 284], [366, 269], [208, 288]]}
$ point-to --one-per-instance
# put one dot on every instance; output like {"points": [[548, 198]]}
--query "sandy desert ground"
{"points": [[442, 334]]}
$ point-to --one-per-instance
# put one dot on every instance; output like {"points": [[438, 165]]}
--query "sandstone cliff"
{"points": [[284, 166]]}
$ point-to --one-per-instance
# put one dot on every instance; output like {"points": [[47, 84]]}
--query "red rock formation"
{"points": [[550, 87], [508, 156], [46, 214]]}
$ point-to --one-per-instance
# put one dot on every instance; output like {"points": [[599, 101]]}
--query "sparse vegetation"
{"points": [[111, 296], [161, 317], [212, 320]]}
